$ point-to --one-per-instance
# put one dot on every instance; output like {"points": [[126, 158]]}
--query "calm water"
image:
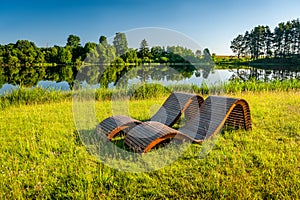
{"points": [[170, 76], [216, 76]]}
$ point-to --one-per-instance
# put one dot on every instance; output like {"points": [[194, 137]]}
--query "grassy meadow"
{"points": [[41, 156]]}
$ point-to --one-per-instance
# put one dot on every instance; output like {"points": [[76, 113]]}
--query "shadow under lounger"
{"points": [[176, 104], [215, 112]]}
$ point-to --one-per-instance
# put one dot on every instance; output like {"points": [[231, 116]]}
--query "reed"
{"points": [[24, 96]]}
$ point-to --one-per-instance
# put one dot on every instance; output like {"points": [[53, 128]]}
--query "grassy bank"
{"points": [[41, 156]]}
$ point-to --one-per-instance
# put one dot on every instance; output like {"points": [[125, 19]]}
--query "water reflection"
{"points": [[47, 85], [171, 77], [264, 74], [167, 75], [53, 85], [8, 88]]}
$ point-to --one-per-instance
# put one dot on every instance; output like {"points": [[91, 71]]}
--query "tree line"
{"points": [[24, 63], [262, 42]]}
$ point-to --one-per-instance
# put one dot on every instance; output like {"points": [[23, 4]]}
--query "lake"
{"points": [[208, 76], [169, 76]]}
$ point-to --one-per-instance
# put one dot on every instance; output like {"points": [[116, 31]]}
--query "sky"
{"points": [[210, 24]]}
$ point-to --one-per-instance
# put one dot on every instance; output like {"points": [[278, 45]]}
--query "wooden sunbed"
{"points": [[175, 105], [203, 122]]}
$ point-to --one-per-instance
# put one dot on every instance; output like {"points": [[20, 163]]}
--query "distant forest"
{"points": [[262, 42], [24, 63]]}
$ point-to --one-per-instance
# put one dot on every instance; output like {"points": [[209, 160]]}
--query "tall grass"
{"points": [[258, 86], [25, 96], [146, 91]]}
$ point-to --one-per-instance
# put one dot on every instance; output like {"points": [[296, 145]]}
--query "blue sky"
{"points": [[212, 23]]}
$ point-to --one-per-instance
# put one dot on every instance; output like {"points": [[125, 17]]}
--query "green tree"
{"points": [[130, 58], [158, 53], [73, 44], [103, 40], [120, 43], [287, 38], [269, 37], [258, 41], [89, 46], [51, 54], [64, 55], [144, 52], [90, 52], [238, 45], [73, 41], [28, 52], [106, 54], [247, 42], [296, 36], [278, 39]]}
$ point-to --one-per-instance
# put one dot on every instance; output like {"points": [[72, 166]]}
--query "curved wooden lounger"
{"points": [[168, 114], [215, 112]]}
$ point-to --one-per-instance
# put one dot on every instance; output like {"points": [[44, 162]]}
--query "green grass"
{"points": [[42, 158]]}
